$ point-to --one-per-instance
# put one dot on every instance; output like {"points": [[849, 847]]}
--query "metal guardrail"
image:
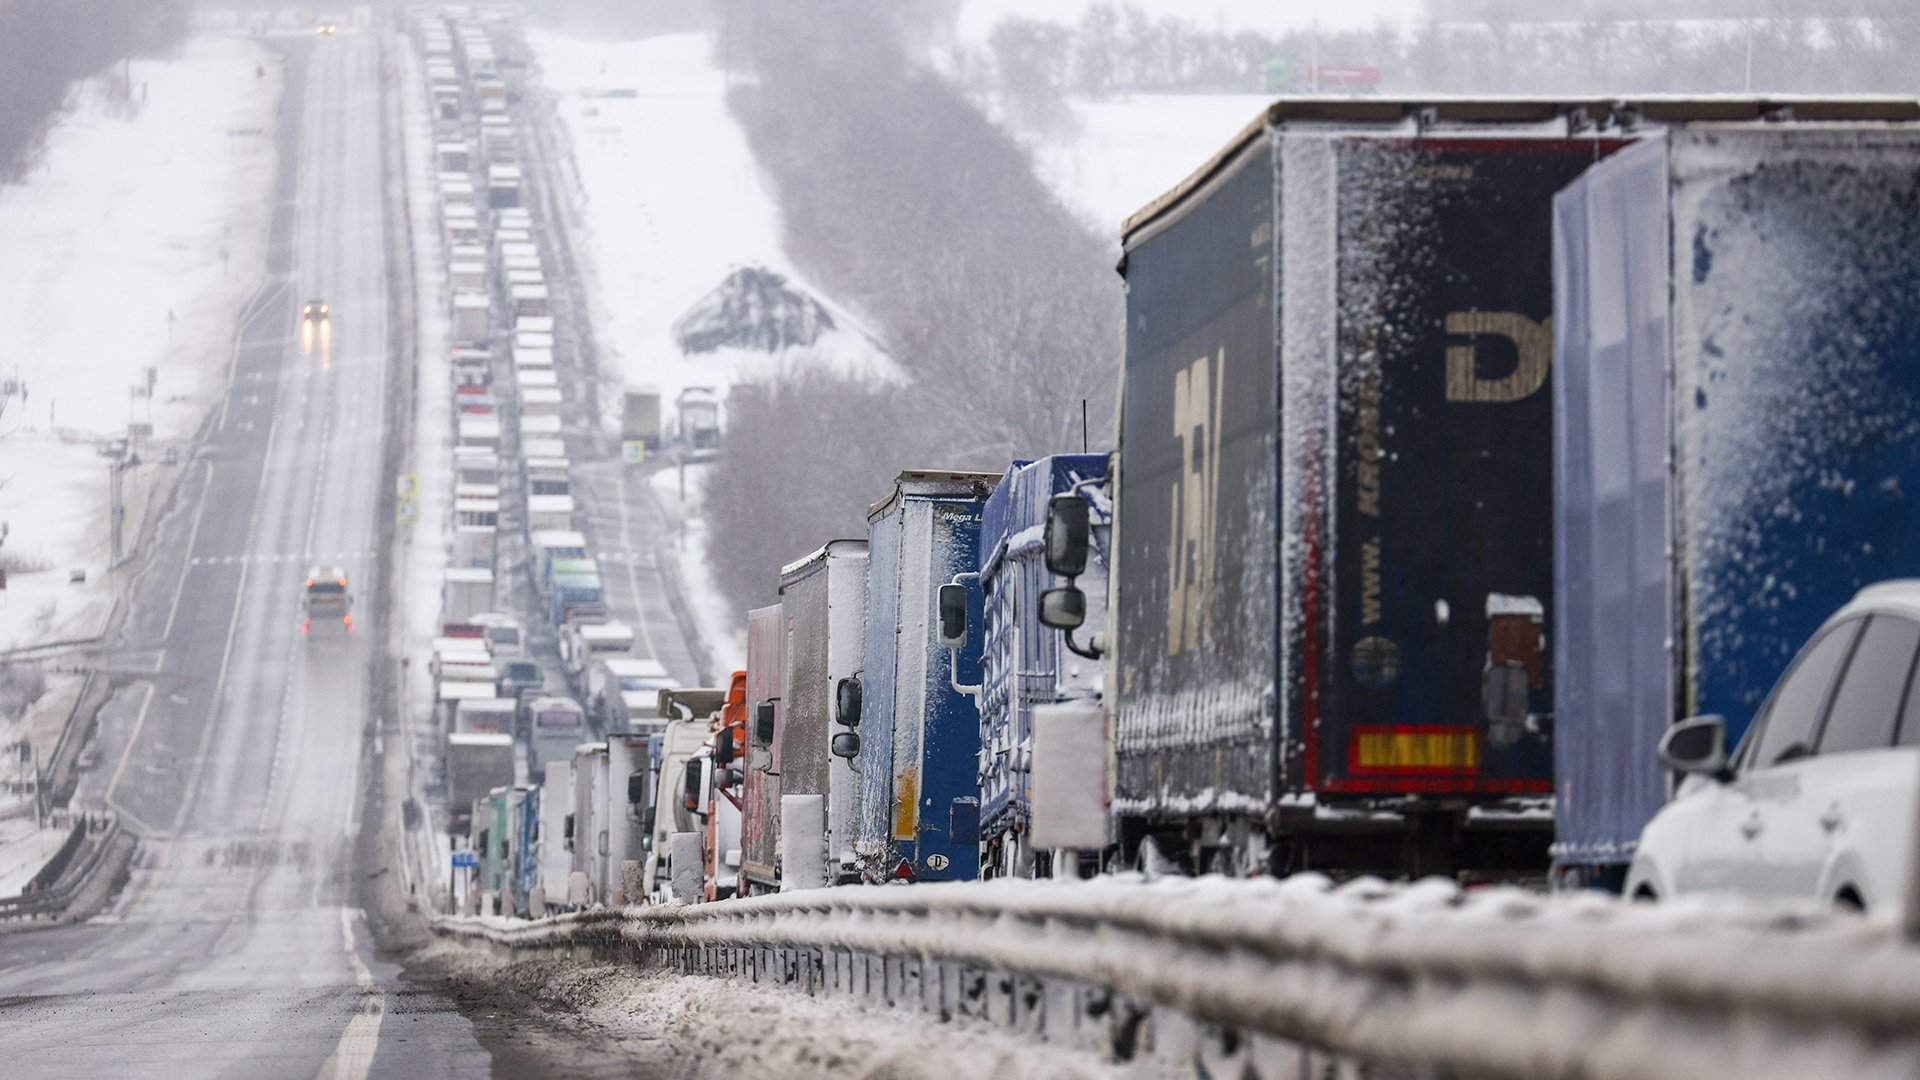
{"points": [[1493, 983], [54, 900]]}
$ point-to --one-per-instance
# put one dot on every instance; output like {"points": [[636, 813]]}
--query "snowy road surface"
{"points": [[238, 946]]}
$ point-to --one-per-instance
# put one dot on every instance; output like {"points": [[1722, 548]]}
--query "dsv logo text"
{"points": [[1197, 390]]}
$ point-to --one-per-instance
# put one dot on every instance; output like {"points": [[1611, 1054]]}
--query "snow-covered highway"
{"points": [[239, 943]]}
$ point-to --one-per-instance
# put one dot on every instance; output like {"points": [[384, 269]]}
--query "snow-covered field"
{"points": [[144, 230], [670, 202], [1128, 151]]}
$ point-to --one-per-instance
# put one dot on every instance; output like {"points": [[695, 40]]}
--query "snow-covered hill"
{"points": [[679, 230]]}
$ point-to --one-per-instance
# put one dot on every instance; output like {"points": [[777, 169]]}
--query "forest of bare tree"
{"points": [[45, 45], [904, 202]]}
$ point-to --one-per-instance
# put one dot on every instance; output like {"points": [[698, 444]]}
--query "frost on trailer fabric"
{"points": [[1739, 352], [1797, 361], [1194, 667], [1434, 537]]}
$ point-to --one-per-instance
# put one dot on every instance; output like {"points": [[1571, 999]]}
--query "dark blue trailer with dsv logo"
{"points": [[1333, 546]]}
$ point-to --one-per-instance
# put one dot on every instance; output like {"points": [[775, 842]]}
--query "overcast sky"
{"points": [[979, 15]]}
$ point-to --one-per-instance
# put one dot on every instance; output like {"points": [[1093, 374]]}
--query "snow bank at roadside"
{"points": [[143, 231], [671, 202], [721, 628], [659, 1023]]}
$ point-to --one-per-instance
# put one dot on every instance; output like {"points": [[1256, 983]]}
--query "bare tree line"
{"points": [[1864, 46], [906, 203], [45, 45]]}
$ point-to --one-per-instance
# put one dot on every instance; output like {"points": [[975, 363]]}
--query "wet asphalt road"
{"points": [[236, 746]]}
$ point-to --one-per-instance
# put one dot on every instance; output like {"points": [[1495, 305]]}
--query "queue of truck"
{"points": [[1392, 570], [517, 691]]}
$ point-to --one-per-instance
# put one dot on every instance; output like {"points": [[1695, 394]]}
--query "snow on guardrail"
{"points": [[1489, 982]]}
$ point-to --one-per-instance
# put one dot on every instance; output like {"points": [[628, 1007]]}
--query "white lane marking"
{"points": [[126, 755], [181, 589], [352, 1057]]}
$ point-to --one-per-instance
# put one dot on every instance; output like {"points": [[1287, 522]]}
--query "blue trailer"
{"points": [[919, 815], [1737, 324], [1023, 663], [525, 868]]}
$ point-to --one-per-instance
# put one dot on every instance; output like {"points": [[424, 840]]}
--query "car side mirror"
{"points": [[953, 615], [846, 702], [1696, 746], [1069, 533], [763, 723], [1064, 608], [846, 744]]}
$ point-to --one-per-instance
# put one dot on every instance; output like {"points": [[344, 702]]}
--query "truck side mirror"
{"points": [[1503, 697], [636, 788], [763, 723], [724, 747], [846, 702], [1696, 746], [567, 833], [953, 615], [846, 744], [1064, 608], [694, 774], [1069, 534]]}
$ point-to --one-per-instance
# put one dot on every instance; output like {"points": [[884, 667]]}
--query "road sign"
{"points": [[465, 859], [633, 452]]}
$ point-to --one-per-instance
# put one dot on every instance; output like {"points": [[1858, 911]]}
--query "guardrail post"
{"points": [[1910, 908]]}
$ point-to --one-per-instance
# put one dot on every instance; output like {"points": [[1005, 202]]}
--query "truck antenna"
{"points": [[1083, 425]]}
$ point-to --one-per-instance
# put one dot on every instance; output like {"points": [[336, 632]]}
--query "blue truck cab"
{"points": [[1024, 663]]}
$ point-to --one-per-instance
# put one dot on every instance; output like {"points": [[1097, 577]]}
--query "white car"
{"points": [[1820, 801]]}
